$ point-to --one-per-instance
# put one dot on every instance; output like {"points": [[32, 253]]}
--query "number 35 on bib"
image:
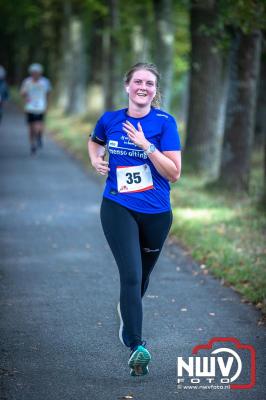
{"points": [[134, 179]]}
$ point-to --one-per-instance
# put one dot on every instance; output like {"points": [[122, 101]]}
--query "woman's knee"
{"points": [[131, 281]]}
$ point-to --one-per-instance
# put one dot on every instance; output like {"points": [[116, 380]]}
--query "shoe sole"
{"points": [[139, 361]]}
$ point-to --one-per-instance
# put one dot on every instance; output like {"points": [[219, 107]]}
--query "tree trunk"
{"points": [[164, 49], [142, 31], [111, 72], [95, 87], [207, 94], [264, 188], [240, 113], [64, 70], [140, 44], [260, 130], [261, 111], [77, 101]]}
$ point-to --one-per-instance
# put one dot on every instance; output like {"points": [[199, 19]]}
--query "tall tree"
{"points": [[264, 176], [260, 130], [64, 71], [240, 113], [247, 19], [164, 46], [261, 108], [110, 58], [77, 100], [141, 30], [95, 86], [207, 92], [73, 66]]}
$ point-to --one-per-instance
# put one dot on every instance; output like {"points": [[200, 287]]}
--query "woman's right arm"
{"points": [[96, 153]]}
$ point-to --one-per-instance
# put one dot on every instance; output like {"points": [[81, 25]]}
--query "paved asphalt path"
{"points": [[59, 288]]}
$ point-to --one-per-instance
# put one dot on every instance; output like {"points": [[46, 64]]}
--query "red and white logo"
{"points": [[222, 363]]}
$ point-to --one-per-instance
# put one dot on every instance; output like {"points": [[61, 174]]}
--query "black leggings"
{"points": [[136, 240]]}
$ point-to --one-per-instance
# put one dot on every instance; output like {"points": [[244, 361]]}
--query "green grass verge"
{"points": [[223, 231], [72, 132]]}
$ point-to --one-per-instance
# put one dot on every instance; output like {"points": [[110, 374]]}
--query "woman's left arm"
{"points": [[167, 163]]}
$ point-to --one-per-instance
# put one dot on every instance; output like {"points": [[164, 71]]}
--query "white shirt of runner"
{"points": [[36, 92]]}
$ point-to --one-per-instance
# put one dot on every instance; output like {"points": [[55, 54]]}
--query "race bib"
{"points": [[134, 179]]}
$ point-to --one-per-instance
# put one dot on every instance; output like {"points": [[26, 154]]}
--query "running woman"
{"points": [[35, 90], [144, 156]]}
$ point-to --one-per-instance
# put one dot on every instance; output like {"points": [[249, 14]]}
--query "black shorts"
{"points": [[30, 117]]}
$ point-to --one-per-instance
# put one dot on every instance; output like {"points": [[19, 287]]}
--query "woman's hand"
{"points": [[100, 166], [168, 163], [136, 136], [97, 154]]}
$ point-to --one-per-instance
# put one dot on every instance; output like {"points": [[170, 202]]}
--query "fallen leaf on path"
{"points": [[34, 347]]}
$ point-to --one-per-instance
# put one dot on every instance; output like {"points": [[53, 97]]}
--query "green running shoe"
{"points": [[138, 361]]}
